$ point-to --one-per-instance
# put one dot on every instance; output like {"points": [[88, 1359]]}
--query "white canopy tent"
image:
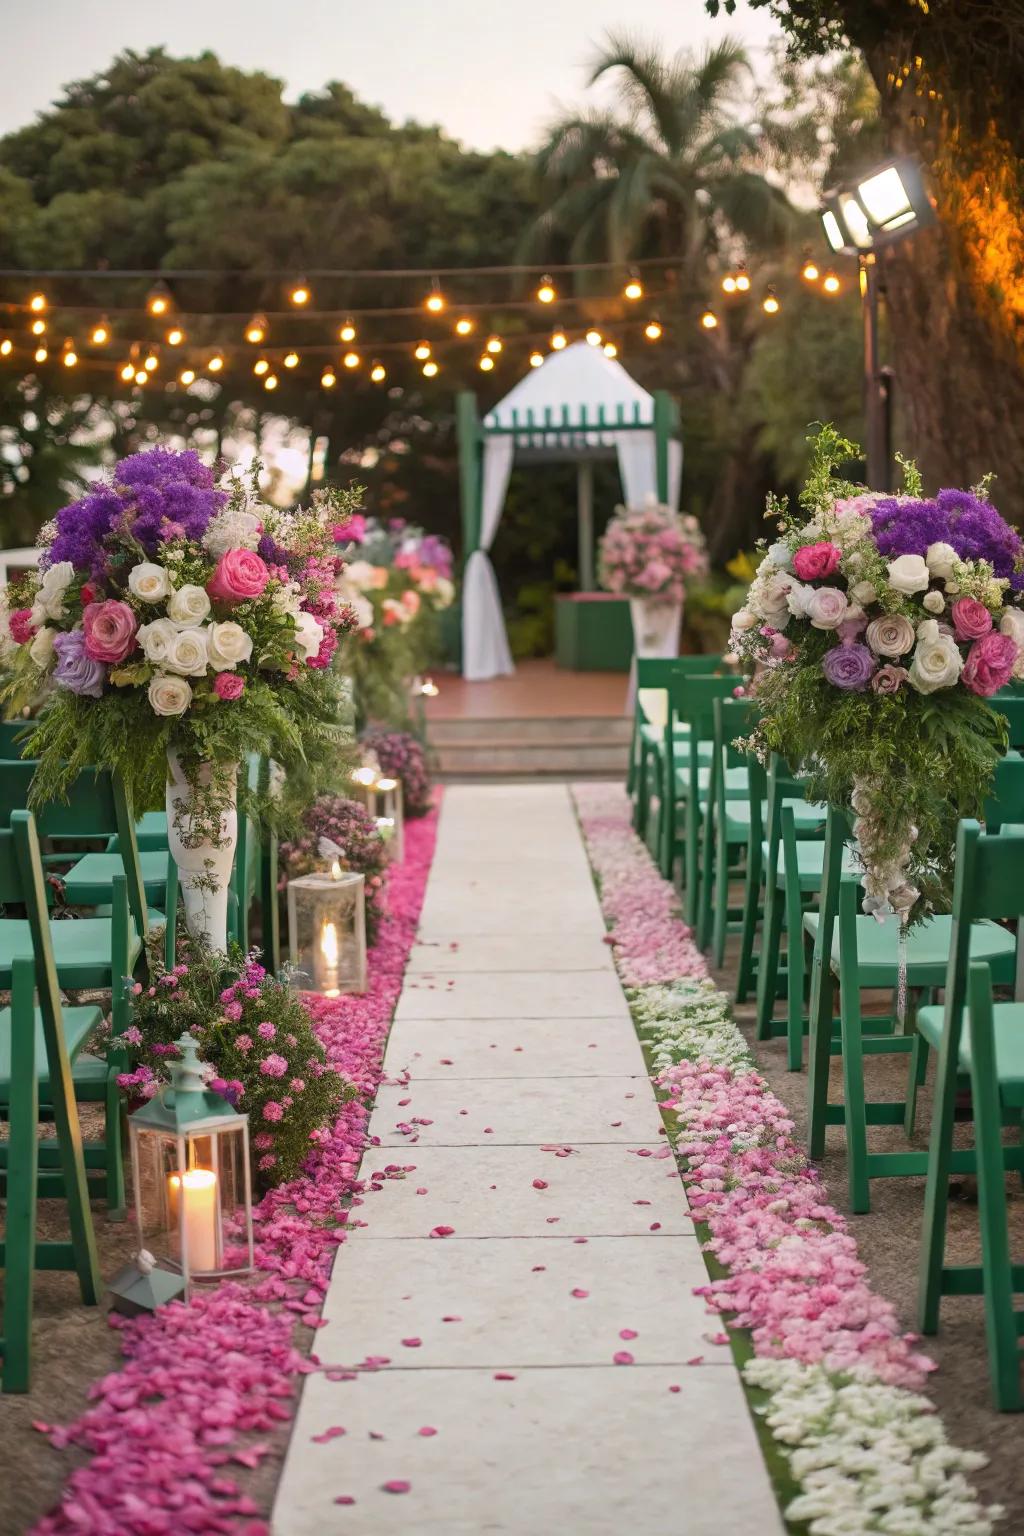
{"points": [[581, 406]]}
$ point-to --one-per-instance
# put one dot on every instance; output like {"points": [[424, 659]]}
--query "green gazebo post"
{"points": [[469, 437]]}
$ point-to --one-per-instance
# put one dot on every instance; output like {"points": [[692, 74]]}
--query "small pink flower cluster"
{"points": [[162, 1431]]}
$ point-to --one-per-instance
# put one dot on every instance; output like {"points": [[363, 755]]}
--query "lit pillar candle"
{"points": [[198, 1188], [329, 959]]}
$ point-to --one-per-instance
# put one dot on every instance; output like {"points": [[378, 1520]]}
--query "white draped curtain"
{"points": [[485, 651]]}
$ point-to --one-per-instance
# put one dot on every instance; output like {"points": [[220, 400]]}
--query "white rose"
{"points": [[908, 574], [827, 608], [227, 645], [934, 602], [444, 592], [169, 695], [743, 620], [360, 574], [863, 592], [797, 599], [780, 555], [189, 606], [937, 661], [155, 639], [233, 528], [148, 582], [49, 601], [308, 635], [187, 653], [41, 649], [939, 559], [1012, 624]]}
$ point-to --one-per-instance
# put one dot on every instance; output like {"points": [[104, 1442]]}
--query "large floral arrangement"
{"points": [[335, 828], [261, 1051], [651, 552], [402, 756], [884, 624], [168, 613], [398, 579]]}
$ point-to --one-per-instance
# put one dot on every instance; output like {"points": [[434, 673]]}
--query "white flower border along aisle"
{"points": [[833, 1379]]}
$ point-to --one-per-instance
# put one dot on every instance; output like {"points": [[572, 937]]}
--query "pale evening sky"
{"points": [[491, 72]]}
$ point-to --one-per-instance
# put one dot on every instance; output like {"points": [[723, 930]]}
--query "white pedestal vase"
{"points": [[656, 629], [202, 837]]}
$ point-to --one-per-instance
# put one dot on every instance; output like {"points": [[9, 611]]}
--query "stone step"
{"points": [[532, 758], [548, 729]]}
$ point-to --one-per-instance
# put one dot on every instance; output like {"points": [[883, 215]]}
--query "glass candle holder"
{"points": [[327, 931]]}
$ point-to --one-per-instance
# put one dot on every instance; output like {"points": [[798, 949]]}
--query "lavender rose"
{"points": [[848, 666], [75, 670]]}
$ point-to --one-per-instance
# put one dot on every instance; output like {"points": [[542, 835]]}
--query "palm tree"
{"points": [[669, 170]]}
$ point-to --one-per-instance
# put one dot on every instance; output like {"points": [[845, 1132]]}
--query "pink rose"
{"points": [[272, 1111], [228, 685], [816, 561], [411, 601], [889, 679], [971, 619], [109, 630], [240, 574], [989, 663], [21, 626]]}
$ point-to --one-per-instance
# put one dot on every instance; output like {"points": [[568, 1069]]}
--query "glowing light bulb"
{"points": [[559, 340], [151, 362], [430, 369], [546, 291], [653, 330], [256, 330], [38, 327], [486, 363], [300, 293], [158, 299], [610, 349], [216, 363], [328, 378], [634, 289], [270, 382], [593, 338], [141, 376], [187, 376], [37, 303], [536, 359], [831, 283], [464, 326], [260, 367], [378, 373], [100, 333], [770, 303], [422, 351], [351, 359], [69, 357], [41, 354], [291, 360], [809, 272], [6, 347], [435, 300], [728, 283], [347, 332], [494, 344], [742, 281], [128, 372], [709, 320], [175, 336]]}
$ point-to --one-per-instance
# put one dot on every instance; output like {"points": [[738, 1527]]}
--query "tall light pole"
{"points": [[861, 218]]}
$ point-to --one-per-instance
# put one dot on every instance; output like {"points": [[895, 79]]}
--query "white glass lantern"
{"points": [[390, 816], [191, 1178], [327, 931]]}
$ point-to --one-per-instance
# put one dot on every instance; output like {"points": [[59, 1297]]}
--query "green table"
{"points": [[593, 632]]}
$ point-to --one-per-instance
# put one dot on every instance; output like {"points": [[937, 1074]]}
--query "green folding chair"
{"points": [[645, 748], [1010, 704], [982, 1041], [690, 703], [41, 1059], [723, 800], [13, 736], [855, 952]]}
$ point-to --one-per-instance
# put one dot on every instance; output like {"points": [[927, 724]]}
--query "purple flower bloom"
{"points": [[973, 528], [848, 666], [75, 670]]}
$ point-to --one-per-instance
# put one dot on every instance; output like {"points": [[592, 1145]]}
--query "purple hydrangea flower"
{"points": [[75, 670], [972, 527], [158, 495], [849, 666]]}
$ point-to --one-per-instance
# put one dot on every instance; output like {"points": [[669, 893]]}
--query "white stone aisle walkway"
{"points": [[501, 1337]]}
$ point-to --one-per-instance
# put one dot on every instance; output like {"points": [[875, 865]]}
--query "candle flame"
{"points": [[365, 776], [329, 943], [335, 870]]}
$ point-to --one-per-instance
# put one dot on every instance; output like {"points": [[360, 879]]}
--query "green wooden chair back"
{"points": [[733, 718], [692, 700], [655, 671], [783, 784], [13, 735], [1004, 804], [987, 883], [96, 806], [1011, 706]]}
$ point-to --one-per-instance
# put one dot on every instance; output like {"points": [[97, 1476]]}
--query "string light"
{"points": [[709, 320], [486, 363], [6, 347], [41, 354], [742, 281], [494, 344], [128, 372], [260, 367], [729, 283], [37, 303], [610, 349], [151, 362], [378, 373], [141, 376], [435, 300], [831, 283], [187, 376], [270, 382], [158, 299], [559, 340], [291, 360], [546, 293], [430, 369], [351, 359], [328, 378], [536, 359], [100, 333], [347, 331], [634, 289], [422, 351], [594, 338], [175, 336], [300, 294], [69, 357], [216, 363], [38, 327], [653, 330], [464, 326], [809, 272], [770, 303]]}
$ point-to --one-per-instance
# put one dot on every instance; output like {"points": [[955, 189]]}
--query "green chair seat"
{"points": [[654, 738], [150, 833], [808, 818], [81, 949], [89, 882], [810, 861], [1008, 1019], [736, 783], [927, 950], [79, 1024]]}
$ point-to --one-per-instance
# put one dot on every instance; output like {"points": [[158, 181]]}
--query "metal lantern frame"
{"points": [[180, 1117], [389, 813], [325, 890]]}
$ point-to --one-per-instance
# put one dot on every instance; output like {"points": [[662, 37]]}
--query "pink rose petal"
{"points": [[622, 1357]]}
